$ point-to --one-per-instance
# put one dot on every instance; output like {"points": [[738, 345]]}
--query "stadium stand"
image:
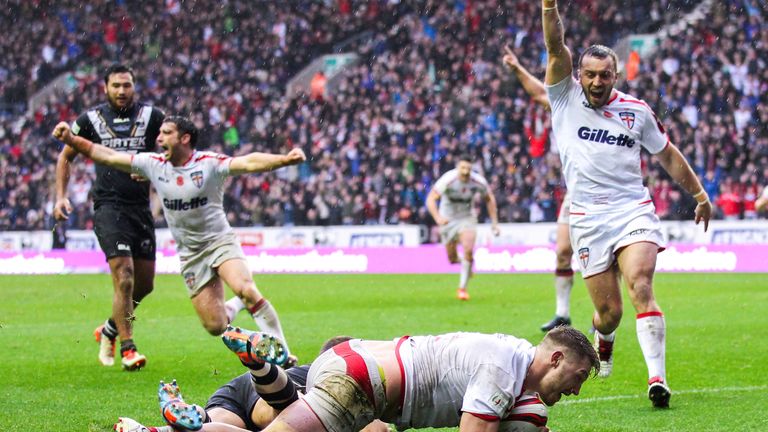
{"points": [[430, 86]]}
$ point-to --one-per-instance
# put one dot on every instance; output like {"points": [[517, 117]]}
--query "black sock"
{"points": [[278, 397], [110, 329], [126, 345]]}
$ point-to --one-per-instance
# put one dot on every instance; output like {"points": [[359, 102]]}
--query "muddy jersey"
{"points": [[131, 131], [192, 196], [462, 372], [600, 148], [456, 196]]}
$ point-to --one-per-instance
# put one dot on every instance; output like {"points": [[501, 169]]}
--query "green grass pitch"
{"points": [[50, 379]]}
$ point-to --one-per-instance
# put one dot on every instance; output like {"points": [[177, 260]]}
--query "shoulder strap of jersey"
{"points": [[142, 121], [99, 125]]}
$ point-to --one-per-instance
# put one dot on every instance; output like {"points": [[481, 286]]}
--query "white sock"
{"points": [[233, 306], [563, 285], [466, 267], [610, 337], [266, 318], [651, 333]]}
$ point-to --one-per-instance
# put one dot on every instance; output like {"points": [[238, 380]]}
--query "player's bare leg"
{"points": [[297, 417], [638, 263], [605, 291], [467, 239], [563, 279], [209, 305], [238, 277], [122, 272]]}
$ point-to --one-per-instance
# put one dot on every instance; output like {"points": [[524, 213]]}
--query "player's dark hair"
{"points": [[601, 52], [184, 126], [332, 342], [466, 156], [115, 69], [574, 340]]}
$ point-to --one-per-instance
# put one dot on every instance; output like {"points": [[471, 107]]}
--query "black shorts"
{"points": [[239, 397], [125, 231]]}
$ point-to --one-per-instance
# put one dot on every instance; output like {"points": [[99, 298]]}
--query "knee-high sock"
{"points": [[651, 333], [274, 386], [563, 286], [466, 269], [266, 318], [233, 306]]}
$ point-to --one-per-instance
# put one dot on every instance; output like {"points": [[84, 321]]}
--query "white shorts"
{"points": [[565, 210], [345, 388], [199, 268], [595, 238], [450, 231]]}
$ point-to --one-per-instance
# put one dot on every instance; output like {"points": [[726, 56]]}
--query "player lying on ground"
{"points": [[468, 380], [247, 403]]}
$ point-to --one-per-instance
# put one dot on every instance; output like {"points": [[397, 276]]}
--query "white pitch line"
{"points": [[674, 392]]}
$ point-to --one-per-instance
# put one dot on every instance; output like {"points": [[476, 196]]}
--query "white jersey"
{"points": [[192, 196], [456, 195], [600, 148], [461, 372]]}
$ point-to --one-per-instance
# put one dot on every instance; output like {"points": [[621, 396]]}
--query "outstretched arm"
{"points": [[259, 162], [532, 85], [97, 152], [559, 62], [678, 168]]}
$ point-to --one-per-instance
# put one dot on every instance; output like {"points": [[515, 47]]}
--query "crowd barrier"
{"points": [[419, 259]]}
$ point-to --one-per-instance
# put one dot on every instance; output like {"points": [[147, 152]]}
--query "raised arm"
{"points": [[678, 168], [260, 162], [97, 152], [559, 61], [532, 85]]}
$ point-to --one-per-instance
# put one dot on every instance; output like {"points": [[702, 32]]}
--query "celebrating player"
{"points": [[122, 219], [599, 132], [191, 186], [563, 249], [456, 191]]}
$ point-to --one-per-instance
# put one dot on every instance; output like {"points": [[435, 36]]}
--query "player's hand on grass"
{"points": [[295, 156], [61, 132], [62, 209], [703, 212]]}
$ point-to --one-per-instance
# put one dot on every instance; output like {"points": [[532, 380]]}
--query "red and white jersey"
{"points": [[192, 196], [449, 374], [600, 148], [456, 195]]}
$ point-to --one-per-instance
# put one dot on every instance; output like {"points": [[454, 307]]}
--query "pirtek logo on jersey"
{"points": [[605, 137], [178, 204]]}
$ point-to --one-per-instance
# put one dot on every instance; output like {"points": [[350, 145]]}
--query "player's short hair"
{"points": [[466, 156], [601, 52], [575, 341], [115, 69], [332, 342], [184, 126]]}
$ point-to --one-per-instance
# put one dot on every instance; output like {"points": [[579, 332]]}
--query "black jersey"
{"points": [[132, 131]]}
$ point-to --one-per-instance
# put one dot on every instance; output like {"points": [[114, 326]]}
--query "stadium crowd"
{"points": [[431, 84]]}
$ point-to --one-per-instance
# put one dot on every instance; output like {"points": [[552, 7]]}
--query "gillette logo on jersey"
{"points": [[179, 204], [603, 136]]}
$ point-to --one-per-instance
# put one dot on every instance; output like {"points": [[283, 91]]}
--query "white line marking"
{"points": [[674, 392]]}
